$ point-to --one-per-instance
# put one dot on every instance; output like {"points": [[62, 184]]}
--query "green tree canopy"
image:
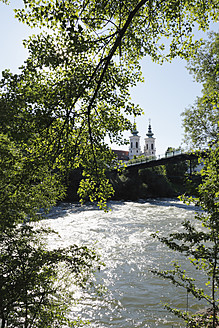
{"points": [[71, 93], [36, 284], [201, 121], [24, 189], [73, 90]]}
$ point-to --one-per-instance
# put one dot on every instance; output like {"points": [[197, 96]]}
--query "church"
{"points": [[135, 147], [149, 144]]}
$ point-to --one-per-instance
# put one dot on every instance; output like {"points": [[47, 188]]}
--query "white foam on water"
{"points": [[123, 239]]}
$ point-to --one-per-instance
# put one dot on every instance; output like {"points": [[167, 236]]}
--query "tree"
{"points": [[200, 121], [33, 279], [201, 246], [36, 283], [73, 90], [199, 241], [24, 188], [31, 292]]}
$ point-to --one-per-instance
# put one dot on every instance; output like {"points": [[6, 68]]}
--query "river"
{"points": [[123, 239]]}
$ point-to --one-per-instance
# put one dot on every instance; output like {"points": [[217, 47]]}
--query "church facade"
{"points": [[149, 144]]}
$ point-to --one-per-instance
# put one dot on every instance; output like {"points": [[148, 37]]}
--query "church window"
{"points": [[131, 144], [152, 146], [136, 144], [136, 151], [147, 146]]}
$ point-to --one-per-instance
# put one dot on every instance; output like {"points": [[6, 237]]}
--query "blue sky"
{"points": [[166, 92]]}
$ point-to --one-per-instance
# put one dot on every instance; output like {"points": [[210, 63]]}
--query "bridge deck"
{"points": [[175, 158]]}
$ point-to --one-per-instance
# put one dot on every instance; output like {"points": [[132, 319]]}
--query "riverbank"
{"points": [[157, 182]]}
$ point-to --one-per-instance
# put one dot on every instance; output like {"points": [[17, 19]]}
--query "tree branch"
{"points": [[108, 59]]}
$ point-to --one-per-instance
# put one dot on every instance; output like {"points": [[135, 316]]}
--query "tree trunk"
{"points": [[3, 323]]}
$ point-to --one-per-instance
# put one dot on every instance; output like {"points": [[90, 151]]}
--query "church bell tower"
{"points": [[149, 147], [134, 148]]}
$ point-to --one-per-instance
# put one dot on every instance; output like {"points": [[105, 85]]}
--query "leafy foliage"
{"points": [[34, 288], [35, 283], [201, 120], [201, 244], [71, 93], [24, 188], [73, 90]]}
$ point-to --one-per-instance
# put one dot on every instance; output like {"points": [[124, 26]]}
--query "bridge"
{"points": [[171, 157]]}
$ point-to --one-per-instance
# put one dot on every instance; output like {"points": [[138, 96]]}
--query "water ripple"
{"points": [[123, 239]]}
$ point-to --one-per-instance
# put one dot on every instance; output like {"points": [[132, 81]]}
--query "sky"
{"points": [[167, 91]]}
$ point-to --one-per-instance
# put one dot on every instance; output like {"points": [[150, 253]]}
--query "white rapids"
{"points": [[123, 239]]}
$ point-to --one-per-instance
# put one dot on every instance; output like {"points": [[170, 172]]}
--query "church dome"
{"points": [[150, 133]]}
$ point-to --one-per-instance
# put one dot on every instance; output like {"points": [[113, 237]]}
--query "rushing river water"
{"points": [[123, 239]]}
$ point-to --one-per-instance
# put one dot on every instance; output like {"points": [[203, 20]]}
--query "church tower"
{"points": [[149, 147], [134, 148]]}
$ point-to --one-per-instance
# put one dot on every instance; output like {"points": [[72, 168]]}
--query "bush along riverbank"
{"points": [[147, 183], [160, 181]]}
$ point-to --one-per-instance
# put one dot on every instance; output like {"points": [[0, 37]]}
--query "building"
{"points": [[122, 155], [134, 147], [149, 147]]}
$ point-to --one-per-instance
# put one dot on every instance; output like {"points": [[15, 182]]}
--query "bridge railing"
{"points": [[141, 160], [171, 154]]}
